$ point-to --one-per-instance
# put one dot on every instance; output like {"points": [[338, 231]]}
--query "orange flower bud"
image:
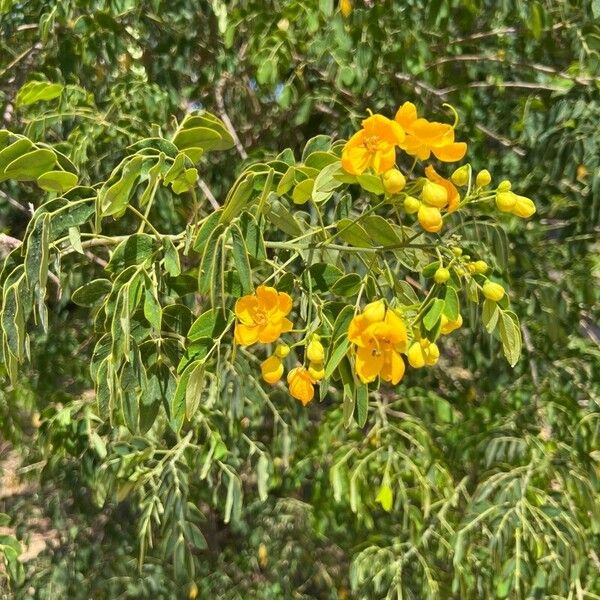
{"points": [[315, 351]]}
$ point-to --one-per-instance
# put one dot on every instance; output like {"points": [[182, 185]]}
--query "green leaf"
{"points": [[433, 314], [320, 277], [210, 324], [303, 191], [326, 182], [353, 233], [380, 231], [238, 197], [240, 259], [262, 477], [152, 309], [57, 181], [348, 285], [336, 356], [371, 183], [253, 236], [362, 403], [114, 199], [194, 389], [342, 323], [283, 219], [510, 335], [30, 166], [37, 91], [491, 312], [137, 249], [177, 403], [206, 230], [172, 264], [286, 183], [12, 152], [91, 293], [451, 304]]}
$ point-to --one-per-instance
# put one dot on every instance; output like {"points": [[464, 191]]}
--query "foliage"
{"points": [[471, 479]]}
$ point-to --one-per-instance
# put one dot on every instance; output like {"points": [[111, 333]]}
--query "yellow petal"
{"points": [[272, 369], [451, 152], [269, 332], [267, 297], [398, 336], [393, 367], [244, 309], [368, 365], [245, 335], [406, 115], [356, 329], [374, 312]]}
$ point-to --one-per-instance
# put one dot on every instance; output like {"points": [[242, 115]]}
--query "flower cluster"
{"points": [[262, 317], [430, 197]]}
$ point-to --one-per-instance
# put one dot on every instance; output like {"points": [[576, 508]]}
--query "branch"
{"points": [[223, 114]]}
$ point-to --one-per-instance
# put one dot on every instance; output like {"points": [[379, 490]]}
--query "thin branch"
{"points": [[209, 195], [223, 114]]}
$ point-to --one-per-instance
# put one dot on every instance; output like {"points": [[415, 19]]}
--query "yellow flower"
{"points": [[424, 137], [453, 195], [373, 146], [449, 326], [262, 316], [272, 369], [301, 385], [345, 7], [379, 337]]}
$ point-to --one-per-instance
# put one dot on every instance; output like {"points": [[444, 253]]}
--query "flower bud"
{"points": [[505, 201], [393, 181], [434, 194], [504, 186], [272, 369], [480, 266], [316, 370], [345, 7], [524, 207], [374, 312], [315, 351], [282, 350], [193, 591], [430, 218], [493, 291], [263, 556], [459, 271], [460, 177], [416, 356], [411, 204], [432, 355], [483, 178], [441, 275], [457, 251]]}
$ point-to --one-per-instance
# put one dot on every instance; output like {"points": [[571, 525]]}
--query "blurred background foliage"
{"points": [[495, 470]]}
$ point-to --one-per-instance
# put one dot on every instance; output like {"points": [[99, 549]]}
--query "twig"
{"points": [[223, 114], [209, 195], [8, 241]]}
